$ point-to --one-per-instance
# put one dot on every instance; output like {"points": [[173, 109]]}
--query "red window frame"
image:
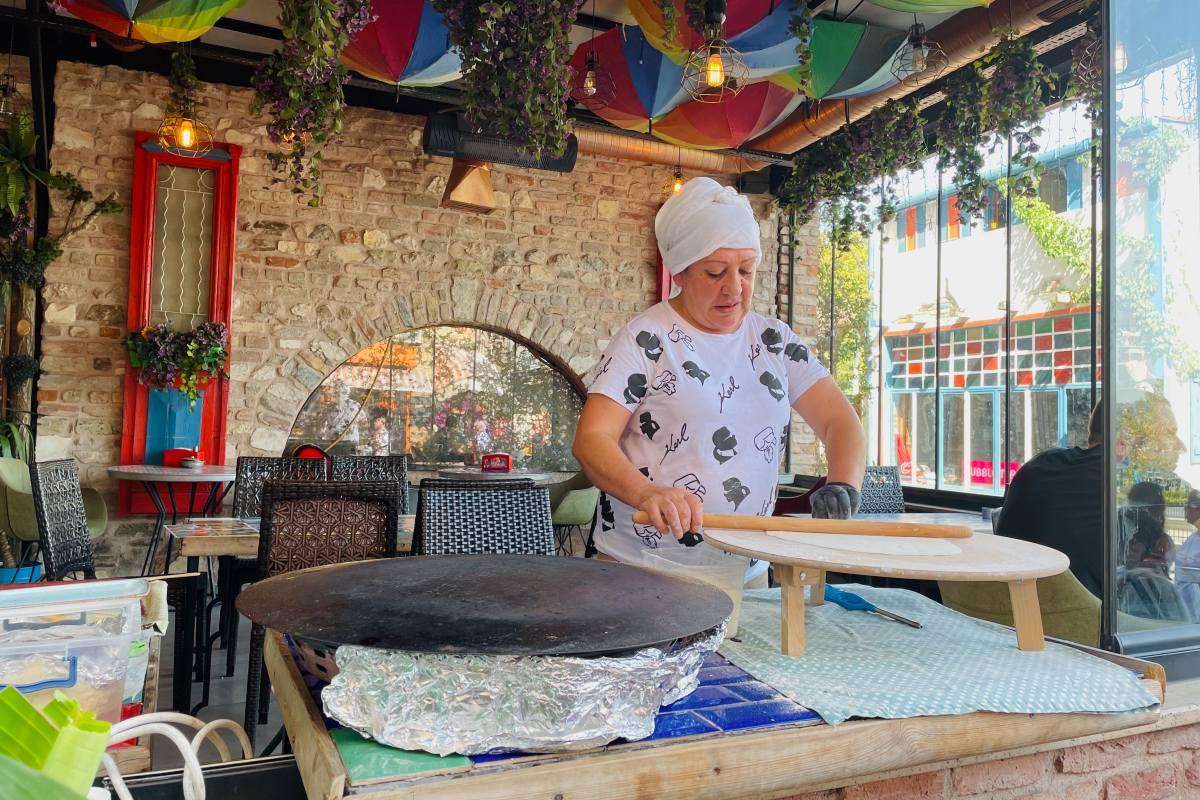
{"points": [[148, 156]]}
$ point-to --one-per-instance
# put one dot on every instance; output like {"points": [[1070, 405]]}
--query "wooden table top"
{"points": [[229, 536], [983, 557]]}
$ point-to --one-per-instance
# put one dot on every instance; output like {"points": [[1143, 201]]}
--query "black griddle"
{"points": [[486, 605]]}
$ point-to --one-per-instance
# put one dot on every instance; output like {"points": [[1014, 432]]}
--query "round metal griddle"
{"points": [[486, 605]]}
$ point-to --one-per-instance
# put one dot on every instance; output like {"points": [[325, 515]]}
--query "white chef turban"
{"points": [[700, 219]]}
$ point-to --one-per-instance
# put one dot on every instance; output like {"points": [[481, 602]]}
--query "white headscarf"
{"points": [[701, 219]]}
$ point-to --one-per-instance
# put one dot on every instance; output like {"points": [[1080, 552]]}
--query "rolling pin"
{"points": [[855, 527]]}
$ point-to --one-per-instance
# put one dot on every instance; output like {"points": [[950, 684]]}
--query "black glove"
{"points": [[835, 501]]}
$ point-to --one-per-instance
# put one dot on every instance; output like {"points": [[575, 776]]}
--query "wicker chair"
{"points": [[63, 536], [373, 468], [252, 473], [311, 524], [462, 517], [881, 492]]}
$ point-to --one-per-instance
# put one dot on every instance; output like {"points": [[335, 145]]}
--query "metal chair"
{"points": [[881, 492], [63, 537], [460, 517], [311, 524], [373, 468]]}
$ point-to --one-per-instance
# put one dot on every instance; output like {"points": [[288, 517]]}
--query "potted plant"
{"points": [[183, 360], [16, 442]]}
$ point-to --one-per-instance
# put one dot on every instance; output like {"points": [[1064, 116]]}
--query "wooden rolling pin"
{"points": [[855, 527]]}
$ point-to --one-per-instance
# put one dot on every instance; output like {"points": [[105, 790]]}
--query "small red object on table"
{"points": [[496, 462]]}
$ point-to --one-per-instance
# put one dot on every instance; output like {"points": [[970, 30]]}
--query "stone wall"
{"points": [[1149, 766], [561, 264]]}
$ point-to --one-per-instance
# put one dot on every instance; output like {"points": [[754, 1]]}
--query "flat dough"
{"points": [[881, 545]]}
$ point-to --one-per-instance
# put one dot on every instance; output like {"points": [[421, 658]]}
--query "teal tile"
{"points": [[368, 760]]}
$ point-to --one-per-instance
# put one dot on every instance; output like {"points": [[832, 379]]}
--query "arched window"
{"points": [[445, 395]]}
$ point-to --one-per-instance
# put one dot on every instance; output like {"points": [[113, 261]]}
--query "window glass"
{"points": [[955, 469], [1052, 189], [445, 395]]}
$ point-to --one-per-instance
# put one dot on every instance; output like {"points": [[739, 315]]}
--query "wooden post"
{"points": [[1027, 614], [791, 632]]}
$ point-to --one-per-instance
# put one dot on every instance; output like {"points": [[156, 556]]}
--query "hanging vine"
{"points": [[515, 74], [300, 85], [1015, 103]]}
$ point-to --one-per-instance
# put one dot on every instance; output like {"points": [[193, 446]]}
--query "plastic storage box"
{"points": [[73, 638]]}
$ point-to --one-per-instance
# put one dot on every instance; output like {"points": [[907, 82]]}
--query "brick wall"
{"points": [[1150, 766], [561, 264]]}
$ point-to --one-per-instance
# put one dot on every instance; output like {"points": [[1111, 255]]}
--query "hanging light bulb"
{"points": [[12, 104], [677, 181], [920, 60], [185, 134], [714, 71], [589, 82], [592, 87]]}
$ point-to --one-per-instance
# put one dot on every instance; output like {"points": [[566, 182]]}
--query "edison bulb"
{"points": [[714, 69], [677, 184], [920, 57], [589, 83], [185, 134]]}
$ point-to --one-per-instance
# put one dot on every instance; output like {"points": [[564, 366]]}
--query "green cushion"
{"points": [[577, 507]]}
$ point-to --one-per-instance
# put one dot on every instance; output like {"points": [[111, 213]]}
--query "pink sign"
{"points": [[982, 473]]}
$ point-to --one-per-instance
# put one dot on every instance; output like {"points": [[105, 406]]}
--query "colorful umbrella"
{"points": [[407, 44], [741, 17], [154, 21], [707, 126], [646, 84], [848, 59]]}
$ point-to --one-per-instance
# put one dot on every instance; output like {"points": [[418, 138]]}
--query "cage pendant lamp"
{"points": [[592, 87], [714, 71], [920, 60], [181, 130], [12, 102]]}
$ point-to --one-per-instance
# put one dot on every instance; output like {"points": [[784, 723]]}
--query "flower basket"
{"points": [[183, 360]]}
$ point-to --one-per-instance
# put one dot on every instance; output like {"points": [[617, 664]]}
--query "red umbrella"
{"points": [[707, 126]]}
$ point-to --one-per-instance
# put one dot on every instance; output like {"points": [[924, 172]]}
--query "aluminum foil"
{"points": [[479, 704]]}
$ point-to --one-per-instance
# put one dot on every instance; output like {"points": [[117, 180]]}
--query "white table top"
{"points": [[475, 473], [983, 557], [209, 473]]}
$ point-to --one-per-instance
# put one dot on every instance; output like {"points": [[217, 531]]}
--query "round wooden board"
{"points": [[983, 557]]}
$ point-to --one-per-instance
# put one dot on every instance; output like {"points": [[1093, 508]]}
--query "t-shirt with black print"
{"points": [[709, 413]]}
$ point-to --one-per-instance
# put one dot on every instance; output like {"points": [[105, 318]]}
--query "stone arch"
{"points": [[276, 394]]}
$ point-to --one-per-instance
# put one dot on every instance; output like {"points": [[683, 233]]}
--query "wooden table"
{"points": [[799, 561], [774, 762], [219, 478]]}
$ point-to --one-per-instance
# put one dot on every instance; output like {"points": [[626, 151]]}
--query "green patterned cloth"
{"points": [[858, 664]]}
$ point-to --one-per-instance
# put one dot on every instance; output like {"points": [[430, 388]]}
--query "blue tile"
{"points": [[488, 758], [714, 660], [711, 676], [757, 715], [682, 723], [704, 697], [752, 690]]}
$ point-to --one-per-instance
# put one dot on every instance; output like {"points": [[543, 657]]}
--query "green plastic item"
{"points": [[62, 742], [22, 783]]}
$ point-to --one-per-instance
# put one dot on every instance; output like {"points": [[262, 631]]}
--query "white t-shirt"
{"points": [[708, 412], [1187, 574]]}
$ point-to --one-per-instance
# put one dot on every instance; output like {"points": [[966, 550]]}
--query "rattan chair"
{"points": [[63, 537], [252, 473], [881, 492], [464, 517], [373, 468], [312, 524]]}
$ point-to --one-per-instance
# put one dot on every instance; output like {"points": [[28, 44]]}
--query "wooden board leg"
{"points": [[791, 633], [1027, 614], [816, 579]]}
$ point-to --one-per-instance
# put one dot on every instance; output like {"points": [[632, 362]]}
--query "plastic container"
{"points": [[73, 638], [707, 564]]}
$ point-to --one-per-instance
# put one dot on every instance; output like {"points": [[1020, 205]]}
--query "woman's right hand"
{"points": [[672, 510]]}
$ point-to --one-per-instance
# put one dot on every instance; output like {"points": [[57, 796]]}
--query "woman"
{"points": [[690, 405]]}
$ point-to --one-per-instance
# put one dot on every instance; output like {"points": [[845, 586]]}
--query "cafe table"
{"points": [[477, 474], [225, 539], [218, 477]]}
